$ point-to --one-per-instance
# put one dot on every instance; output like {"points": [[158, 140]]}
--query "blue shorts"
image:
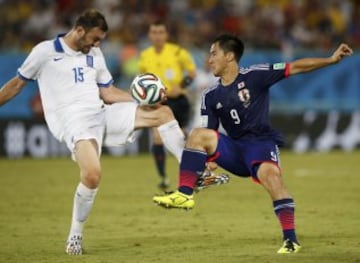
{"points": [[243, 157]]}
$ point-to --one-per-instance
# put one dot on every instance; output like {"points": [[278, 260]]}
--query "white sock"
{"points": [[173, 138], [83, 202]]}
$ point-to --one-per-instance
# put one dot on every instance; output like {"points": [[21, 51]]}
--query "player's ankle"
{"points": [[186, 190]]}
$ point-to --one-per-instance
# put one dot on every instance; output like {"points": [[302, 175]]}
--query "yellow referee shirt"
{"points": [[170, 64]]}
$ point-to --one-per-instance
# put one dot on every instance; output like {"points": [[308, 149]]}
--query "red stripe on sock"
{"points": [[188, 178], [286, 218]]}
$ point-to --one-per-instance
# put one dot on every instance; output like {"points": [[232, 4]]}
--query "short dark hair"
{"points": [[230, 43], [91, 18], [158, 22]]}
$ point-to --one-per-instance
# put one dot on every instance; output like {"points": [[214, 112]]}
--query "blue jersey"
{"points": [[243, 106]]}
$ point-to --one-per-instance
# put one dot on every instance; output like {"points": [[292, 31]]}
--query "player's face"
{"points": [[217, 60], [158, 35], [89, 39]]}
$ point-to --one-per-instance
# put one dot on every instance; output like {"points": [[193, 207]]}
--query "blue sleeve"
{"points": [[208, 118], [268, 74]]}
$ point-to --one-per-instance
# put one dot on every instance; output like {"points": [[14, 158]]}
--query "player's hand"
{"points": [[342, 51], [163, 96]]}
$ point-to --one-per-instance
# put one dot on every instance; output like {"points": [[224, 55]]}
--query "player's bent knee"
{"points": [[270, 177], [269, 168], [201, 137], [91, 177], [91, 181]]}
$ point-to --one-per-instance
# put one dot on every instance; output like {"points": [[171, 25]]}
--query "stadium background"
{"points": [[318, 111]]}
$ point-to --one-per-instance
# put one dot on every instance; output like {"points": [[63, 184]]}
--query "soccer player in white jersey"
{"points": [[83, 108]]}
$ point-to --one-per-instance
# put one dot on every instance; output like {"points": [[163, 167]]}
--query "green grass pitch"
{"points": [[230, 223]]}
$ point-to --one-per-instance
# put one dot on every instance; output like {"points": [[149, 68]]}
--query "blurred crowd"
{"points": [[289, 26], [266, 24]]}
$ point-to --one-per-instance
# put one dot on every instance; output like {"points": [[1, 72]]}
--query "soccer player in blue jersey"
{"points": [[240, 102]]}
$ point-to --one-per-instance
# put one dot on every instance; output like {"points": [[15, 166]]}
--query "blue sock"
{"points": [[191, 167], [285, 212]]}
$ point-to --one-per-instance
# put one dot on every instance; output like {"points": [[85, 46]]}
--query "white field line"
{"points": [[304, 172]]}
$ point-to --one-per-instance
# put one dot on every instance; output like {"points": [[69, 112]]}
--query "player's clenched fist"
{"points": [[342, 51]]}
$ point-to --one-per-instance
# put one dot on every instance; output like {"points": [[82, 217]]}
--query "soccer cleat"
{"points": [[289, 247], [209, 178], [73, 245], [175, 200]]}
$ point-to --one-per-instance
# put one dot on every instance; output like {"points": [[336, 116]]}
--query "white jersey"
{"points": [[69, 83]]}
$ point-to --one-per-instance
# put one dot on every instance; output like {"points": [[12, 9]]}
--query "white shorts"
{"points": [[113, 126], [120, 123]]}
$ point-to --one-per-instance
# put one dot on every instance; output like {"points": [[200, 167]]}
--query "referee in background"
{"points": [[176, 68]]}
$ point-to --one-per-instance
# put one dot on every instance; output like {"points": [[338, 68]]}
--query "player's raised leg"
{"points": [[169, 129], [87, 157], [284, 206], [174, 140]]}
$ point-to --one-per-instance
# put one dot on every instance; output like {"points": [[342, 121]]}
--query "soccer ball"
{"points": [[147, 89]]}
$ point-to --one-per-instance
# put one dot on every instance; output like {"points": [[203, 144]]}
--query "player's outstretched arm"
{"points": [[309, 64], [112, 95], [11, 89]]}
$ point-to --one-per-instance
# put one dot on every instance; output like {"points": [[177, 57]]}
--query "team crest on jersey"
{"points": [[244, 94], [241, 85], [90, 61]]}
